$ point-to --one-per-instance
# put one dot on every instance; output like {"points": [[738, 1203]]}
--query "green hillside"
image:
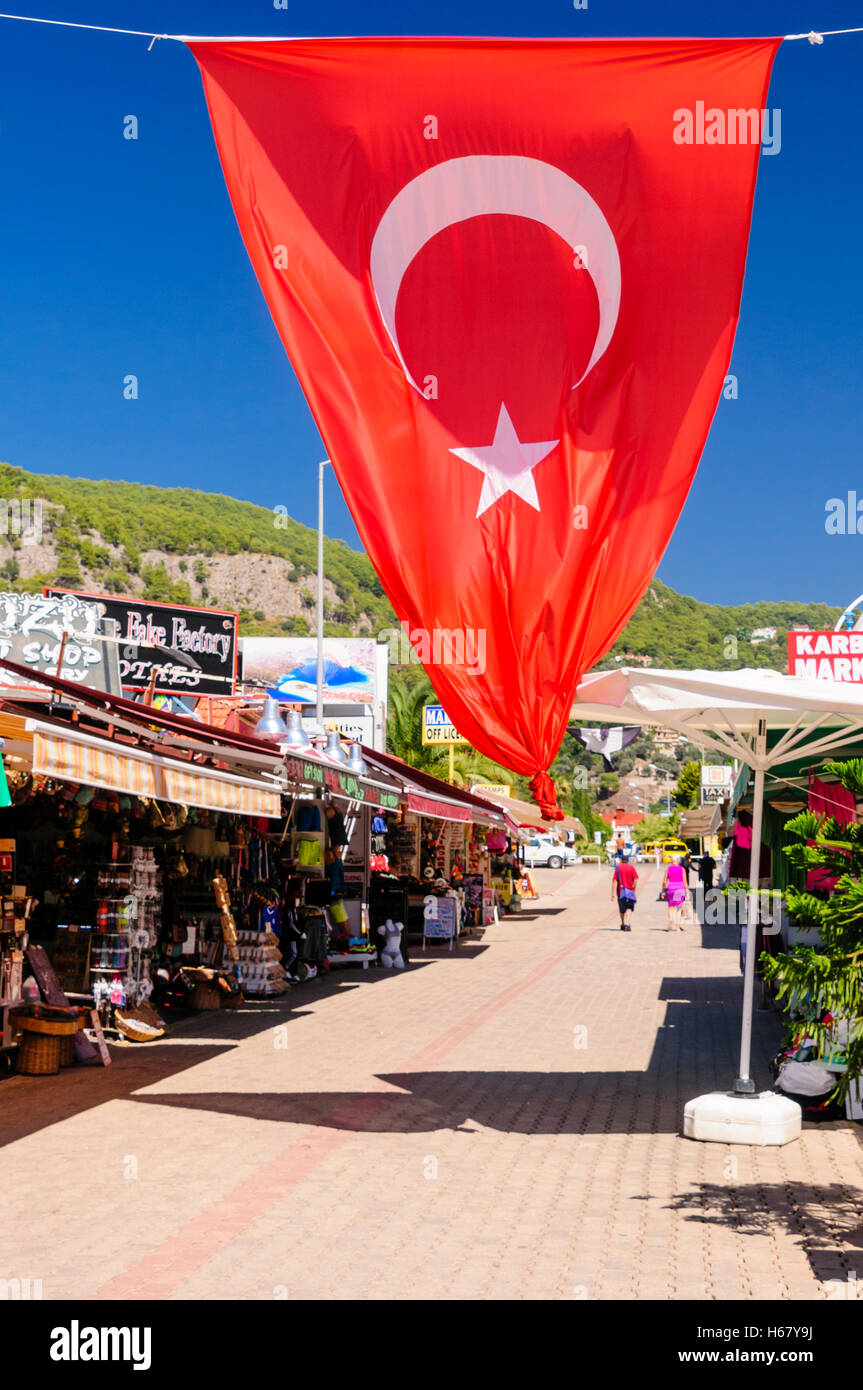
{"points": [[672, 630], [99, 529], [95, 534]]}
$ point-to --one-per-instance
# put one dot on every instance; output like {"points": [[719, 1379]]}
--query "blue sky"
{"points": [[123, 257]]}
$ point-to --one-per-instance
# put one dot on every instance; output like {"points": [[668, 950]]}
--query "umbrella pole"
{"points": [[744, 1085]]}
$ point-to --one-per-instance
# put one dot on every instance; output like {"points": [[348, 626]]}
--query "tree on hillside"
{"points": [[655, 827], [688, 788], [609, 783]]}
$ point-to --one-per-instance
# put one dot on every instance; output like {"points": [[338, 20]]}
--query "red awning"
{"points": [[444, 798], [443, 810]]}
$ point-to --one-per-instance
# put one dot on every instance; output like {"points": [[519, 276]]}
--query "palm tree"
{"points": [[404, 725], [471, 767]]}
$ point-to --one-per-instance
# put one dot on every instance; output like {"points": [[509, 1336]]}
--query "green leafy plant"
{"points": [[827, 978]]}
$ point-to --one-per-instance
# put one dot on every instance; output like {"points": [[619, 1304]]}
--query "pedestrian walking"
{"points": [[676, 893], [623, 883], [686, 866], [706, 870]]}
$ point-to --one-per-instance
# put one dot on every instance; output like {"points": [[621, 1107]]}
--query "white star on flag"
{"points": [[507, 464]]}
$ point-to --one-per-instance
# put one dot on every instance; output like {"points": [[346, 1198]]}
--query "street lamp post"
{"points": [[319, 691]]}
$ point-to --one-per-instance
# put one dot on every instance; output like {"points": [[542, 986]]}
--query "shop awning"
{"points": [[146, 717], [700, 821], [442, 810], [525, 815], [443, 800], [99, 763]]}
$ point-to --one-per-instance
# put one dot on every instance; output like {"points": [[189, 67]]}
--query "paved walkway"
{"points": [[500, 1123]]}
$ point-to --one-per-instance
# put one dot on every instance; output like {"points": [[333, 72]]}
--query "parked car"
{"points": [[545, 852], [672, 849]]}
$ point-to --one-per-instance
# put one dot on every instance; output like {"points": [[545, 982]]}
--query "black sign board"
{"points": [[344, 783], [194, 650], [58, 635]]}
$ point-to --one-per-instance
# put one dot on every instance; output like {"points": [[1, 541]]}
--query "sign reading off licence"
{"points": [[438, 728]]}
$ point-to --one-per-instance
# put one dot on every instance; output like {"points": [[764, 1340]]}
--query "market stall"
{"points": [[150, 859], [764, 719]]}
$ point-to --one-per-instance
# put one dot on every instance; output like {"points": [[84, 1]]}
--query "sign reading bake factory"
{"points": [[193, 650], [32, 631]]}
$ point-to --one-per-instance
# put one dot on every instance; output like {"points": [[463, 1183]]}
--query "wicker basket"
{"points": [[205, 996], [46, 1040], [39, 1054], [137, 1028]]}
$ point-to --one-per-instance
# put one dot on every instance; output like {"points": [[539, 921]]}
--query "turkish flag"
{"points": [[508, 275]]}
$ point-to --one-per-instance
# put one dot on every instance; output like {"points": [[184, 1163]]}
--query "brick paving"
{"points": [[500, 1123]]}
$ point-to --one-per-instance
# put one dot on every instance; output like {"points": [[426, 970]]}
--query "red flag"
{"points": [[508, 275]]}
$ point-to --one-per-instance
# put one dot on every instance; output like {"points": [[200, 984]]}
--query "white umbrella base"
{"points": [[721, 1118]]}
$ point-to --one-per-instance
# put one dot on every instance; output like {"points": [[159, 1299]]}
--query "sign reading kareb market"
{"points": [[148, 633], [831, 656]]}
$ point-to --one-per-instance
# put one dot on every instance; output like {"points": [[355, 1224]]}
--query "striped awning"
{"points": [[97, 764]]}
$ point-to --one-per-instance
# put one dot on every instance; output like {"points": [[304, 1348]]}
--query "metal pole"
{"points": [[744, 1085], [319, 693]]}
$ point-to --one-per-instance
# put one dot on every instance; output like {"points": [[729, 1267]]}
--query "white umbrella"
{"points": [[731, 711]]}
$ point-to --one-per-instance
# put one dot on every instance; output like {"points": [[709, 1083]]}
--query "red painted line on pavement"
{"points": [[170, 1264]]}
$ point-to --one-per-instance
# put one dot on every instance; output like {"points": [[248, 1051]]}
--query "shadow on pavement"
{"points": [[31, 1103], [695, 1051], [822, 1219]]}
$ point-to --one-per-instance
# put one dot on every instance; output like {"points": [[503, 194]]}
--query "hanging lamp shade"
{"points": [[334, 749], [296, 734], [356, 761], [271, 724]]}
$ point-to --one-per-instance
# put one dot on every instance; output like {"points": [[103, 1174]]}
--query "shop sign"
{"points": [[714, 796], [488, 789], [344, 783], [356, 728], [439, 918], [831, 656], [438, 727], [715, 783], [203, 639], [32, 628]]}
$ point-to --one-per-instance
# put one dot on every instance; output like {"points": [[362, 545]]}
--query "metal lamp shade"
{"points": [[297, 736], [334, 747], [356, 762], [271, 724]]}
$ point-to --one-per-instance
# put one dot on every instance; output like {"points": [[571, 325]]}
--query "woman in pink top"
{"points": [[676, 893]]}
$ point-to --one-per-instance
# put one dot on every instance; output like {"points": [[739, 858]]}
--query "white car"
{"points": [[545, 852]]}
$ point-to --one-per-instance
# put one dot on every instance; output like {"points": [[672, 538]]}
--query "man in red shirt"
{"points": [[623, 884]]}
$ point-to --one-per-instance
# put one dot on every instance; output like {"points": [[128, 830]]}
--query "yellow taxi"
{"points": [[672, 849]]}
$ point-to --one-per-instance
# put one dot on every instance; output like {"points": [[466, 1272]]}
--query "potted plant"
{"points": [[827, 979]]}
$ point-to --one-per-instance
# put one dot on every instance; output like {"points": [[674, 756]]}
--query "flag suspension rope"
{"points": [[814, 36]]}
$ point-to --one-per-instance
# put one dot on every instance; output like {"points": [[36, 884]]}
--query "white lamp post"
{"points": [[319, 695]]}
